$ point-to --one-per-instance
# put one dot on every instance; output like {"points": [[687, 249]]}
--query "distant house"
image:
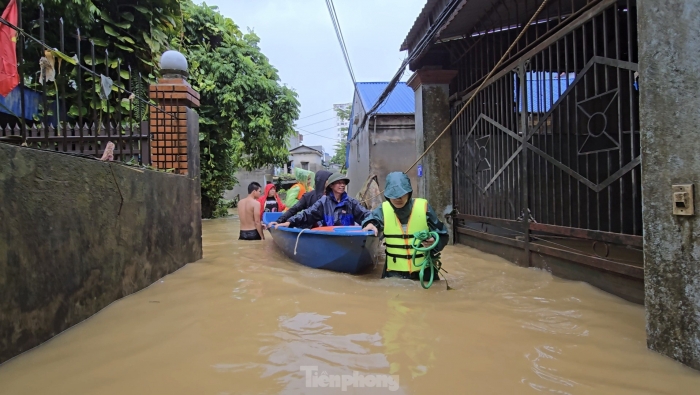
{"points": [[387, 141], [307, 157], [262, 175]]}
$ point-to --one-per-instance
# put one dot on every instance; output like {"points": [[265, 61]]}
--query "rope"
{"points": [[297, 243], [431, 261], [486, 79]]}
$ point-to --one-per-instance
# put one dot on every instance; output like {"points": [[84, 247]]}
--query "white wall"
{"points": [[314, 160]]}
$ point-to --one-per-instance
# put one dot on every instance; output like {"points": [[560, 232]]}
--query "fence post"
{"points": [[174, 145]]}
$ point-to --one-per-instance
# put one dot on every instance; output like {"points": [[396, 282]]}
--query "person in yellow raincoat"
{"points": [[305, 183]]}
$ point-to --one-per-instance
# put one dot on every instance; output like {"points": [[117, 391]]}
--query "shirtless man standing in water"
{"points": [[249, 214]]}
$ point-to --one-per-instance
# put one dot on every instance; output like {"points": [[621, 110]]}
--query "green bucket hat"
{"points": [[336, 177], [397, 185]]}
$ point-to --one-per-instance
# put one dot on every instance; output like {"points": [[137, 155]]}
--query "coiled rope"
{"points": [[431, 261]]}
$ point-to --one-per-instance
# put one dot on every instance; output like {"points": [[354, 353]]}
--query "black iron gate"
{"points": [[547, 154]]}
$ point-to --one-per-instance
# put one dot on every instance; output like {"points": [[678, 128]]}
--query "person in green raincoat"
{"points": [[305, 183], [399, 218]]}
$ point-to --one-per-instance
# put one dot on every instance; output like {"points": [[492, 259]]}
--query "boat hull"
{"points": [[344, 249]]}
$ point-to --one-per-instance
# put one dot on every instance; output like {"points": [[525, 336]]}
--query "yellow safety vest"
{"points": [[399, 240]]}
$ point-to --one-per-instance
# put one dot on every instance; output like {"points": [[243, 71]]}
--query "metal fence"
{"points": [[82, 108], [547, 155]]}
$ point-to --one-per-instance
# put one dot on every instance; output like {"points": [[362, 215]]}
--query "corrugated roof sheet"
{"points": [[422, 21], [400, 101]]}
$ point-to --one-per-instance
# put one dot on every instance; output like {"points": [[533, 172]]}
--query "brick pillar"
{"points": [[169, 127]]}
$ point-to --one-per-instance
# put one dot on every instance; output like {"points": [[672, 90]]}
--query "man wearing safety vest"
{"points": [[400, 217]]}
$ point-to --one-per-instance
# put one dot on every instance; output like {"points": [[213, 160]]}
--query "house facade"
{"points": [[307, 158], [386, 142]]}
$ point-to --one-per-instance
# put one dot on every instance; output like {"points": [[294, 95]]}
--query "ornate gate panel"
{"points": [[547, 154]]}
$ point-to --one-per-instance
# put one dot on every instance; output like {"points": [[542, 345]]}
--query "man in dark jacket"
{"points": [[336, 208], [308, 199]]}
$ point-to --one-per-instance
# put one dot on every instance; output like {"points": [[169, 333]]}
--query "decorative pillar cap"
{"points": [[173, 64], [431, 76]]}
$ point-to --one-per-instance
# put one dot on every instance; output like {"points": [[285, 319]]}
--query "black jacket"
{"points": [[309, 198]]}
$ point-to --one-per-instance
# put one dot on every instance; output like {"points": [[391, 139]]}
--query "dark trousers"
{"points": [[249, 235]]}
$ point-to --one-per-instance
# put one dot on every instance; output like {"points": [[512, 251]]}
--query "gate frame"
{"points": [[619, 278]]}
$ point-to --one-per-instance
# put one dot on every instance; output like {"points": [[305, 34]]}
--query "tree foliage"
{"points": [[339, 155], [134, 32], [246, 115], [128, 36]]}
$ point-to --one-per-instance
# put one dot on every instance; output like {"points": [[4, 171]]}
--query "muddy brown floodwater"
{"points": [[247, 320]]}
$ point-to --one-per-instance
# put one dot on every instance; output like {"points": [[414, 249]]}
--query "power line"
{"points": [[425, 41], [341, 39], [325, 120], [316, 133], [309, 116], [340, 32]]}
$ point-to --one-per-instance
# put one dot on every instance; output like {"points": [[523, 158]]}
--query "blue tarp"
{"points": [[12, 104]]}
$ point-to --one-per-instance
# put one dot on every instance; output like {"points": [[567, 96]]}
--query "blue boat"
{"points": [[345, 249]]}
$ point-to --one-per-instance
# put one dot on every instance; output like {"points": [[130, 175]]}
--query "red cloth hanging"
{"points": [[9, 76]]}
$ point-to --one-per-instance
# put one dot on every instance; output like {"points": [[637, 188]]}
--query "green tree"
{"points": [[130, 34], [339, 155], [246, 114]]}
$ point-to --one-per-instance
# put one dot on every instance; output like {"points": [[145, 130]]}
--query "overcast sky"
{"points": [[298, 38]]}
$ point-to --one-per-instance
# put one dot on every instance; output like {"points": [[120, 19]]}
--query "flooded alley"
{"points": [[247, 320]]}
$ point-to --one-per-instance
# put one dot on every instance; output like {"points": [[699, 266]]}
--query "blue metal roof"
{"points": [[543, 89], [401, 100]]}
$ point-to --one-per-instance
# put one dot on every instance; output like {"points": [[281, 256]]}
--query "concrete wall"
{"points": [[245, 178], [393, 147], [669, 43], [77, 234], [358, 169]]}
